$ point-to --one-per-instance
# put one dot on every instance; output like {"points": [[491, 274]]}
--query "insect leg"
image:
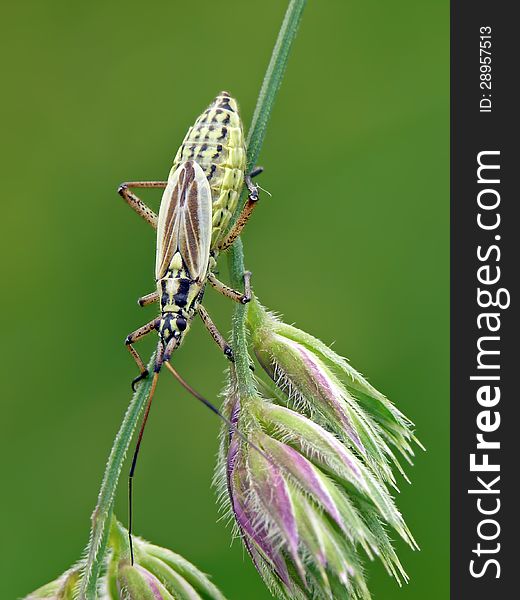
{"points": [[136, 203], [232, 426], [256, 171], [243, 217], [134, 337], [241, 298], [214, 332], [148, 299]]}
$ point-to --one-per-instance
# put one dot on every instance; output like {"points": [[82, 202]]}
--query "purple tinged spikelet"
{"points": [[136, 583], [304, 473], [307, 382], [257, 540], [274, 498]]}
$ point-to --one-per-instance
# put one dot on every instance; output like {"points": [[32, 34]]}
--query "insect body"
{"points": [[199, 198]]}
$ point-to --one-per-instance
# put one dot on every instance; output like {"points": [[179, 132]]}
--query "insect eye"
{"points": [[181, 323]]}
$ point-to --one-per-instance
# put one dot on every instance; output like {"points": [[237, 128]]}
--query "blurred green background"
{"points": [[356, 160]]}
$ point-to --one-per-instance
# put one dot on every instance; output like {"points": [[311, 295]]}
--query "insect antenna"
{"points": [[215, 410], [134, 461], [200, 398]]}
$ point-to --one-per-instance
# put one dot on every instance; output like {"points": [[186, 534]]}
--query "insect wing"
{"points": [[196, 225], [184, 223]]}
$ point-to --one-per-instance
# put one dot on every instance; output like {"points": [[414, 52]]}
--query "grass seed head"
{"points": [[157, 573], [309, 495]]}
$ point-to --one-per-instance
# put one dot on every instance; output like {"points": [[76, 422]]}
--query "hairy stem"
{"points": [[96, 548], [272, 80], [102, 514]]}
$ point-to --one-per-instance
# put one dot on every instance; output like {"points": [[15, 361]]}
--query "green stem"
{"points": [[102, 514], [272, 80]]}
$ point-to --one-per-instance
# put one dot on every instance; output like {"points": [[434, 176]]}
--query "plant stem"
{"points": [[103, 512], [96, 548], [272, 80]]}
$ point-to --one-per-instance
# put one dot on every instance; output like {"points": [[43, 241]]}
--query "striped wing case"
{"points": [[184, 223]]}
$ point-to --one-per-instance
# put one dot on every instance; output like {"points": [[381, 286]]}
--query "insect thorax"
{"points": [[216, 143], [179, 296]]}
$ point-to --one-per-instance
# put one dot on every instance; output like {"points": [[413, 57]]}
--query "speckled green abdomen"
{"points": [[216, 142]]}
